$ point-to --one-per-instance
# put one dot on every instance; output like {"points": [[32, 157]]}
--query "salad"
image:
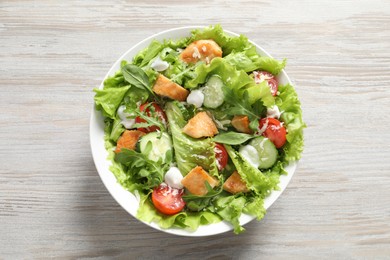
{"points": [[199, 129]]}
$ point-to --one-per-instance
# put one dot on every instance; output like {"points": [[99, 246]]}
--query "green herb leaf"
{"points": [[197, 203], [151, 118], [239, 104], [142, 170], [136, 77], [232, 138]]}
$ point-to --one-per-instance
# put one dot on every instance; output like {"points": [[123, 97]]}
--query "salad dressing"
{"points": [[126, 121], [273, 112]]}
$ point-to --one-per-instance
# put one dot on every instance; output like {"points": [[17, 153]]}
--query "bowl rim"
{"points": [[123, 197]]}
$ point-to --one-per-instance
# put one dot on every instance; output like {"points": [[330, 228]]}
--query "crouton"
{"points": [[241, 124], [167, 88], [194, 181], [204, 50], [234, 184], [128, 140], [201, 125]]}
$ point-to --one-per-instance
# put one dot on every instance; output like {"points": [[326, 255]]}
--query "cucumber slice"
{"points": [[268, 153], [156, 146], [213, 94]]}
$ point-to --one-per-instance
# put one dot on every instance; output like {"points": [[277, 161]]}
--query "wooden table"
{"points": [[52, 201]]}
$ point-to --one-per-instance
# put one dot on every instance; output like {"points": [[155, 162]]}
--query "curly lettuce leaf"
{"points": [[237, 81], [288, 102], [249, 60], [230, 209], [169, 51], [232, 78], [187, 220], [261, 92], [271, 65], [255, 207], [109, 99], [147, 54], [238, 51], [250, 63], [226, 42], [156, 48], [253, 177]]}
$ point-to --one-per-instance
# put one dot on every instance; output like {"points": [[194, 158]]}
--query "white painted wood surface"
{"points": [[53, 53]]}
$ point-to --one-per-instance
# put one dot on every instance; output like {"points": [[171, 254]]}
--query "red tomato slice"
{"points": [[273, 130], [260, 76], [157, 109], [221, 156], [168, 200]]}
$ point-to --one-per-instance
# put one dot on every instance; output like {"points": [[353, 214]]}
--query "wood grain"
{"points": [[52, 201]]}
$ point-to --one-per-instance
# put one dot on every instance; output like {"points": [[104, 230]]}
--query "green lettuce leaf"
{"points": [[238, 51], [189, 152], [146, 173], [226, 42], [249, 60], [231, 77], [253, 177], [187, 220], [288, 102], [271, 65], [109, 99], [230, 209], [116, 130], [241, 61], [232, 138], [261, 92], [255, 207], [146, 55]]}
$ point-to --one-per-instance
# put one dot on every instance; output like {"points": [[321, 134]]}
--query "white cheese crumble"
{"points": [[196, 98], [260, 77], [196, 53], [263, 128], [173, 178]]}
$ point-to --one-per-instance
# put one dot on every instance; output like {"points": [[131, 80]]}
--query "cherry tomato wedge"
{"points": [[168, 200], [221, 156], [260, 76], [273, 130], [156, 112]]}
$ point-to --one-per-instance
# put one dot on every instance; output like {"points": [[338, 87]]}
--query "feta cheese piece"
{"points": [[196, 98], [173, 178], [125, 120], [273, 112], [250, 154], [159, 65]]}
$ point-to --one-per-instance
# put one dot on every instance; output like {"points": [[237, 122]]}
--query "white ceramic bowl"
{"points": [[126, 199]]}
